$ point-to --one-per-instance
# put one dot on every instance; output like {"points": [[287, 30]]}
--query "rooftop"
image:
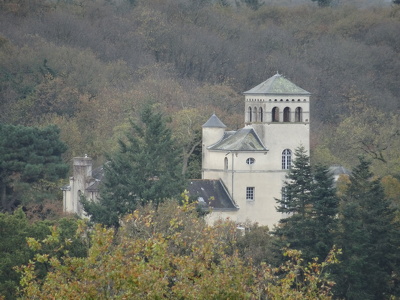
{"points": [[245, 139], [277, 84]]}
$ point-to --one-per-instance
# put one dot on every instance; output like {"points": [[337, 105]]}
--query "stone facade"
{"points": [[253, 161]]}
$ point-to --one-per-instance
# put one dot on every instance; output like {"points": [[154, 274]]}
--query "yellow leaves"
{"points": [[34, 244], [170, 253]]}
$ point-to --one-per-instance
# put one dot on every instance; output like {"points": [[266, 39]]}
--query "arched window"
{"points": [[286, 159], [226, 164], [255, 114], [261, 115], [250, 114], [286, 114], [298, 115], [275, 114]]}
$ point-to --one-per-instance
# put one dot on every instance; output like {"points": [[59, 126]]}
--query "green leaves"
{"points": [[28, 155]]}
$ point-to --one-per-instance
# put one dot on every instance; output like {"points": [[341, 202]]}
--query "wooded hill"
{"points": [[88, 66]]}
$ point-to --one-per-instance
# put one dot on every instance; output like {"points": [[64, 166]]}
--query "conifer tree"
{"points": [[369, 237], [27, 155], [311, 204], [295, 202], [147, 168]]}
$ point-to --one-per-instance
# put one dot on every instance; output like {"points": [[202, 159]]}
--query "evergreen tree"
{"points": [[295, 201], [27, 155], [369, 237], [311, 204], [325, 205], [147, 168]]}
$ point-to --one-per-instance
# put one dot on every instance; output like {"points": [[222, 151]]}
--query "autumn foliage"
{"points": [[159, 255]]}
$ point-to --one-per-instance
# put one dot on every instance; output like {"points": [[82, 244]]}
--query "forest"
{"points": [[75, 74]]}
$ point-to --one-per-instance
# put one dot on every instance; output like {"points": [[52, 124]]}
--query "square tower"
{"points": [[251, 163]]}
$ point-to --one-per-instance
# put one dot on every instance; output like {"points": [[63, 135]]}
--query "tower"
{"points": [[279, 111], [252, 162]]}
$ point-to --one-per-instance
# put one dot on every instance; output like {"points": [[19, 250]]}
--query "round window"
{"points": [[250, 161]]}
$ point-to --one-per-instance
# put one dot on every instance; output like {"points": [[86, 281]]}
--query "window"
{"points": [[261, 115], [250, 161], [286, 114], [286, 159], [255, 114], [250, 114], [298, 115], [226, 164], [275, 114], [249, 193]]}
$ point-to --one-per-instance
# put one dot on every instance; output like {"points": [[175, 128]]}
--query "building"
{"points": [[250, 164], [84, 182]]}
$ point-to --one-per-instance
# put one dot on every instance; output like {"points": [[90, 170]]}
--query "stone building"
{"points": [[84, 182], [243, 171]]}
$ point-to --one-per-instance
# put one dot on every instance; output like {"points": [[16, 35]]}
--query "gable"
{"points": [[245, 139]]}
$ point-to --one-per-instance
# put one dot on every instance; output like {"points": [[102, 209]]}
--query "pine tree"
{"points": [[369, 237], [311, 204], [147, 168], [28, 155], [296, 199], [325, 206]]}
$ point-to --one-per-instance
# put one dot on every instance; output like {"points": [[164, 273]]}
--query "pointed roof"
{"points": [[245, 139], [277, 84], [213, 121]]}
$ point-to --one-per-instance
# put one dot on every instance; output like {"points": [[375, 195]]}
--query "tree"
{"points": [[369, 237], [28, 155], [146, 169], [309, 199], [293, 231], [325, 206], [169, 253], [14, 249]]}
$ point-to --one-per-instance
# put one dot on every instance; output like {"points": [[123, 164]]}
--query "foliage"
{"points": [[14, 250], [27, 156], [88, 66], [309, 199], [170, 256], [146, 169], [371, 132], [370, 238]]}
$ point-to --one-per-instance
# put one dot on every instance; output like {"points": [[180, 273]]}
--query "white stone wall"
{"points": [[266, 174], [82, 171]]}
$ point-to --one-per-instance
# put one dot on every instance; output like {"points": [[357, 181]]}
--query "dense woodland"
{"points": [[91, 68]]}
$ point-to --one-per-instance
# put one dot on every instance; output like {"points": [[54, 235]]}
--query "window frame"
{"points": [[250, 193], [286, 159], [250, 161]]}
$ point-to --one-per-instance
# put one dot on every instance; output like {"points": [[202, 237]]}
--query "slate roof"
{"points": [[214, 121], [245, 139], [277, 84], [211, 194]]}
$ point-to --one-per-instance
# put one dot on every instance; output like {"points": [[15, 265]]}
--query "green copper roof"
{"points": [[245, 139], [277, 84]]}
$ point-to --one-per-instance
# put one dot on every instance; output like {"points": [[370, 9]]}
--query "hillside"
{"points": [[87, 66]]}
